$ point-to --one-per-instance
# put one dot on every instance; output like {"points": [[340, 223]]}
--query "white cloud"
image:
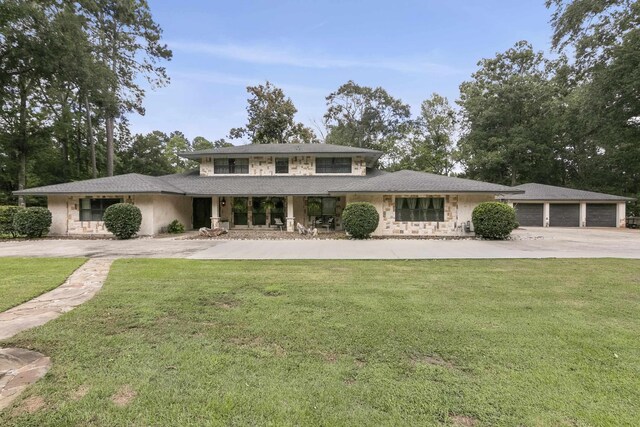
{"points": [[236, 80], [263, 54]]}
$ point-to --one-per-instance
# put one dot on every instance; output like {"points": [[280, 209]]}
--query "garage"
{"points": [[601, 215], [564, 215], [530, 214]]}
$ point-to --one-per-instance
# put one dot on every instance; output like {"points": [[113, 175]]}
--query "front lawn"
{"points": [[22, 279], [500, 342]]}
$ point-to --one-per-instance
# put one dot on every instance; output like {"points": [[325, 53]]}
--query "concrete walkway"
{"points": [[20, 368]]}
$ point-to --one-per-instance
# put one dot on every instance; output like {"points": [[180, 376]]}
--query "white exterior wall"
{"points": [[58, 207], [166, 208], [622, 215]]}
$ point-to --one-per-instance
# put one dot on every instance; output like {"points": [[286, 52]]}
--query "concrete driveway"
{"points": [[527, 243]]}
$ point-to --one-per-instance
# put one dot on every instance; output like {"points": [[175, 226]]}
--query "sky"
{"points": [[411, 48]]}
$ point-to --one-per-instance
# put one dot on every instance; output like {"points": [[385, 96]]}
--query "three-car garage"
{"points": [[548, 206]]}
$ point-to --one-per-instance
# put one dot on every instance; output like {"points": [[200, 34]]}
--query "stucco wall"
{"points": [[166, 208], [58, 207]]}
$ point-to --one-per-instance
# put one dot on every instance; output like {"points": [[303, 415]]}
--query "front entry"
{"points": [[201, 212]]}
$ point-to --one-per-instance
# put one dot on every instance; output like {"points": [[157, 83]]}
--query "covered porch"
{"points": [[268, 212]]}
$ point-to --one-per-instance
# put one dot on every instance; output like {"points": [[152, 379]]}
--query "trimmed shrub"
{"points": [[360, 219], [32, 222], [494, 220], [175, 227], [7, 214], [123, 220]]}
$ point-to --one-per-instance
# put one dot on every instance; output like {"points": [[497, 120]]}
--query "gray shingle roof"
{"points": [[265, 185], [549, 192], [191, 183], [290, 149], [119, 184], [407, 181]]}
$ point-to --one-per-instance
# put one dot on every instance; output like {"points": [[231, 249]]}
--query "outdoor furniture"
{"points": [[278, 223], [329, 224]]}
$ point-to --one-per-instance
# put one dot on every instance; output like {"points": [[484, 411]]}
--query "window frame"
{"points": [[284, 162], [92, 211], [335, 165], [230, 166], [419, 213]]}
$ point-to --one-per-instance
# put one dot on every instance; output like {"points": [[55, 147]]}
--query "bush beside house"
{"points": [[123, 220], [175, 227], [31, 222], [7, 213], [494, 220], [360, 219]]}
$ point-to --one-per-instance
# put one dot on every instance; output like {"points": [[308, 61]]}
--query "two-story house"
{"points": [[274, 186]]}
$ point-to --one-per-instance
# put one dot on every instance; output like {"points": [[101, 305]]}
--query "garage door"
{"points": [[564, 215], [530, 214], [601, 214]]}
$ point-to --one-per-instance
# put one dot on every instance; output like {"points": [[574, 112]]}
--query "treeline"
{"points": [[69, 71], [69, 74]]}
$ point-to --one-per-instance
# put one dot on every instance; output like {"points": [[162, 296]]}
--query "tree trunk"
{"points": [[22, 141], [513, 176], [110, 123], [92, 144]]}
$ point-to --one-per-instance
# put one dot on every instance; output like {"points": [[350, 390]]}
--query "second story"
{"points": [[284, 159]]}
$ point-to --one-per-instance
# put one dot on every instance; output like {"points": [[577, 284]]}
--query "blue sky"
{"points": [[309, 48]]}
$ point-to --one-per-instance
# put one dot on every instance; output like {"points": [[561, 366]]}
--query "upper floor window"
{"points": [[419, 209], [93, 209], [282, 165], [222, 166], [333, 165]]}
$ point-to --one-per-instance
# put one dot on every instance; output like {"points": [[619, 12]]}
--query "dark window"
{"points": [[282, 165], [93, 209], [321, 206], [226, 166], [333, 165], [420, 209]]}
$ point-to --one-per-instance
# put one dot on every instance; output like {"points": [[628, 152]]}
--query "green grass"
{"points": [[22, 279], [502, 342]]}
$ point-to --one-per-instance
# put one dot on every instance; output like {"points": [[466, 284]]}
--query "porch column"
{"points": [[291, 226], [583, 214], [545, 214], [215, 212]]}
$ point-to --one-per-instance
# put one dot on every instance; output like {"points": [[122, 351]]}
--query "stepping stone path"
{"points": [[18, 367]]}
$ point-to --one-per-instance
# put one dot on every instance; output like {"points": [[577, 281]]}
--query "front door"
{"points": [[201, 212]]}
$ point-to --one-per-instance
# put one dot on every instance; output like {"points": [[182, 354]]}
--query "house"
{"points": [[549, 206], [263, 186]]}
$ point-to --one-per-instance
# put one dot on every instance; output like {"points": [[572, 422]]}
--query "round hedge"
{"points": [[7, 213], [123, 220], [494, 220], [32, 222], [360, 219]]}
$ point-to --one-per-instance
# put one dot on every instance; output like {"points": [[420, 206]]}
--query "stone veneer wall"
{"points": [[206, 166], [448, 227], [75, 226], [298, 166]]}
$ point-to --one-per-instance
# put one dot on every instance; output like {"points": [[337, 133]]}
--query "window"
{"points": [[333, 165], [226, 166], [282, 165], [321, 206], [420, 209], [93, 209]]}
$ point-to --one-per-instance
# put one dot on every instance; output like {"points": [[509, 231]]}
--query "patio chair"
{"points": [[329, 224], [278, 223]]}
